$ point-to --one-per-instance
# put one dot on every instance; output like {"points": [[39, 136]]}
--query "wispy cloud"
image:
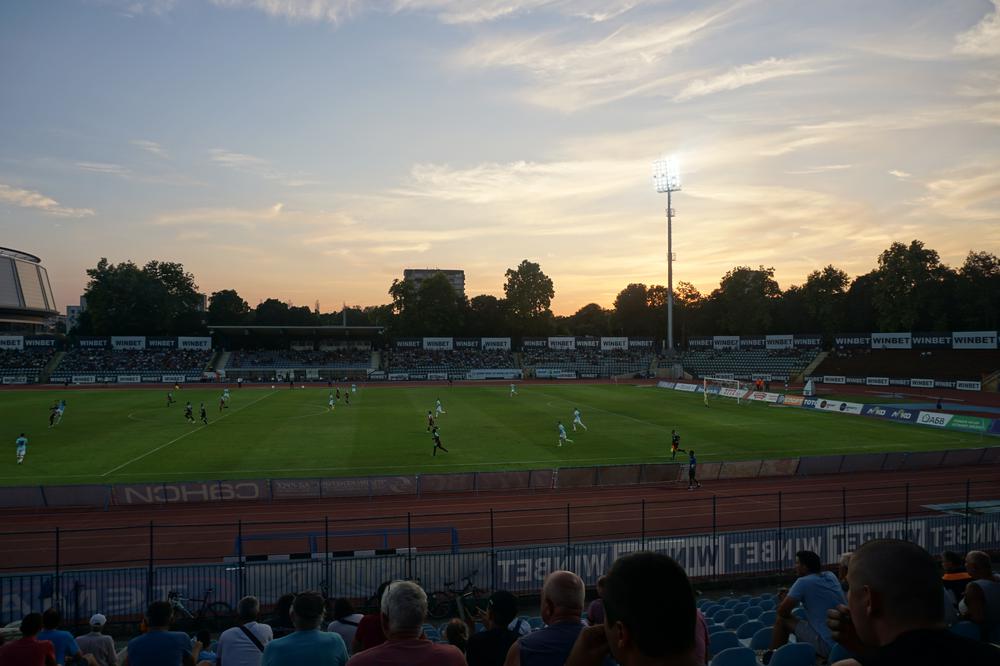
{"points": [[259, 167], [984, 38], [902, 175], [826, 168], [333, 11], [103, 167], [748, 75], [151, 147], [22, 198], [275, 215]]}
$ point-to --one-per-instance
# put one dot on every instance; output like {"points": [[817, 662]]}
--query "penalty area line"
{"points": [[177, 439]]}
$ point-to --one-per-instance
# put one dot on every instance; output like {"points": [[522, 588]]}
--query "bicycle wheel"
{"points": [[439, 605]]}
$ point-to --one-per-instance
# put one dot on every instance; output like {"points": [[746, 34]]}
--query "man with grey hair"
{"points": [[562, 608], [404, 609], [243, 645]]}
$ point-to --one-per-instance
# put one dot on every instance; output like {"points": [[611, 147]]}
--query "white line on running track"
{"points": [[177, 439]]}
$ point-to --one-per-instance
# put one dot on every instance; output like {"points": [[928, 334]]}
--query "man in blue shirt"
{"points": [[63, 641], [307, 644], [159, 646], [818, 591]]}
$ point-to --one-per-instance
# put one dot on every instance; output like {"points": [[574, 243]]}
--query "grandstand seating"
{"points": [[121, 362], [27, 363], [943, 365], [746, 363], [295, 359], [589, 361], [424, 360]]}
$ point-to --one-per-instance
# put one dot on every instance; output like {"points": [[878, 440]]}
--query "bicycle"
{"points": [[439, 604], [211, 615]]}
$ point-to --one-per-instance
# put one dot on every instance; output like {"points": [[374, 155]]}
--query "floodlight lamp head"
{"points": [[666, 175]]}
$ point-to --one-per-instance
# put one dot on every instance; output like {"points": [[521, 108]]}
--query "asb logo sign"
{"points": [[934, 419]]}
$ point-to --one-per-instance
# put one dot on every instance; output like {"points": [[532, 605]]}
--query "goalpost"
{"points": [[727, 388]]}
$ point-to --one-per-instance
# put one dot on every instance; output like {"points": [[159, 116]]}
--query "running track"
{"points": [[208, 532]]}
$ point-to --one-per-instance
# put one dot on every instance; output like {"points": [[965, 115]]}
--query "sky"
{"points": [[312, 149]]}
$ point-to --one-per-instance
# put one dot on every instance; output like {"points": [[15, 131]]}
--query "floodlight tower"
{"points": [[667, 178]]}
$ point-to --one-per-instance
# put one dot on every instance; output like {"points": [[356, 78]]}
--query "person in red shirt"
{"points": [[28, 650], [369, 633]]}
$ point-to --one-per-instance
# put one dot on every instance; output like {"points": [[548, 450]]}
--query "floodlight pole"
{"points": [[670, 275]]}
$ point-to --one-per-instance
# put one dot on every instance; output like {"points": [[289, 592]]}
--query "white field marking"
{"points": [[606, 411], [309, 416], [177, 439]]}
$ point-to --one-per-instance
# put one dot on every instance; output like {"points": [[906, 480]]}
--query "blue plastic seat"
{"points": [[729, 603], [716, 628], [753, 612], [745, 597], [736, 620], [735, 656], [748, 629], [536, 622], [794, 654], [722, 641], [720, 615], [799, 612], [767, 604], [967, 629], [740, 607], [762, 639], [768, 617], [838, 652]]}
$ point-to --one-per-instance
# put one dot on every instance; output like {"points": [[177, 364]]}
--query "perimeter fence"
{"points": [[118, 570]]}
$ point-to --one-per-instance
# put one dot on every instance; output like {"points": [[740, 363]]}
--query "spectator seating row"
{"points": [[108, 361], [745, 363], [294, 359], [944, 364], [589, 361], [27, 363], [424, 360]]}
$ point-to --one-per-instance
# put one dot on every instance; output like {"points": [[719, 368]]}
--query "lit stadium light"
{"points": [[666, 175]]}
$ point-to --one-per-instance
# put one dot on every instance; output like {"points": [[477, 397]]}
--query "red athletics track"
{"points": [[208, 532]]}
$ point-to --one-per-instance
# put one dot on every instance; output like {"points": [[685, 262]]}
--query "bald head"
{"points": [[564, 590], [904, 575]]}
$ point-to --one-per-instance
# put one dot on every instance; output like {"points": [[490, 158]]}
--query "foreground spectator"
{"points": [[281, 621], [955, 576], [404, 609], [159, 646], [100, 647], [842, 568], [243, 645], [345, 620], [982, 595], [457, 633], [28, 650], [818, 591], [63, 641], [649, 616], [894, 612], [489, 647], [202, 652], [369, 632], [562, 610], [307, 644], [595, 611]]}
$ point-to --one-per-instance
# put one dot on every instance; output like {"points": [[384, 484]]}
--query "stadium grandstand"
{"points": [[27, 304], [83, 361], [747, 364], [587, 357], [457, 360]]}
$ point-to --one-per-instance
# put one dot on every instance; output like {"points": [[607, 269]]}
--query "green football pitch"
{"points": [[110, 436]]}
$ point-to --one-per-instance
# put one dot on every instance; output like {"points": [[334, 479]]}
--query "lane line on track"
{"points": [[187, 434]]}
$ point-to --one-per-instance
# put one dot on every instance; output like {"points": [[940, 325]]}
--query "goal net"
{"points": [[722, 387]]}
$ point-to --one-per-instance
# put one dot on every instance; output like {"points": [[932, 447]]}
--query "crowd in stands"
{"points": [[122, 361], [27, 362], [425, 360], [288, 358], [940, 364], [744, 363], [889, 605], [589, 361]]}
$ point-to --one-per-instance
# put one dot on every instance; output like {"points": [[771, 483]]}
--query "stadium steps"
{"points": [[376, 360], [43, 376], [219, 362], [820, 357], [992, 382]]}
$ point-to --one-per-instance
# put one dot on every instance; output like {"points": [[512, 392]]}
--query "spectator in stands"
{"points": [[842, 566], [28, 650], [345, 620], [370, 633], [595, 611], [894, 612], [96, 644], [243, 645], [982, 595], [404, 609], [307, 644], [63, 641], [955, 576], [457, 633], [281, 621], [159, 646], [489, 647], [650, 616], [701, 638], [562, 608], [202, 650], [817, 591]]}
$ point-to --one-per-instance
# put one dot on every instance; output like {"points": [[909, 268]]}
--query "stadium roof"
{"points": [[306, 330]]}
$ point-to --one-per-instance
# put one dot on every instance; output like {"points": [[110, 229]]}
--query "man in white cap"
{"points": [[96, 645]]}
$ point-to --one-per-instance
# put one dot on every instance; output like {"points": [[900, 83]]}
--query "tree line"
{"points": [[910, 289]]}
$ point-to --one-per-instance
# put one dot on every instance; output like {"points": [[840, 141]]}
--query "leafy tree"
{"points": [[859, 308], [978, 292], [487, 316], [591, 319], [158, 299], [529, 293], [405, 307], [746, 299], [824, 296], [440, 307], [271, 312], [227, 307], [632, 311], [908, 292]]}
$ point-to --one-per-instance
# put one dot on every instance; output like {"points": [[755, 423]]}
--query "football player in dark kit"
{"points": [[188, 412], [437, 442]]}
